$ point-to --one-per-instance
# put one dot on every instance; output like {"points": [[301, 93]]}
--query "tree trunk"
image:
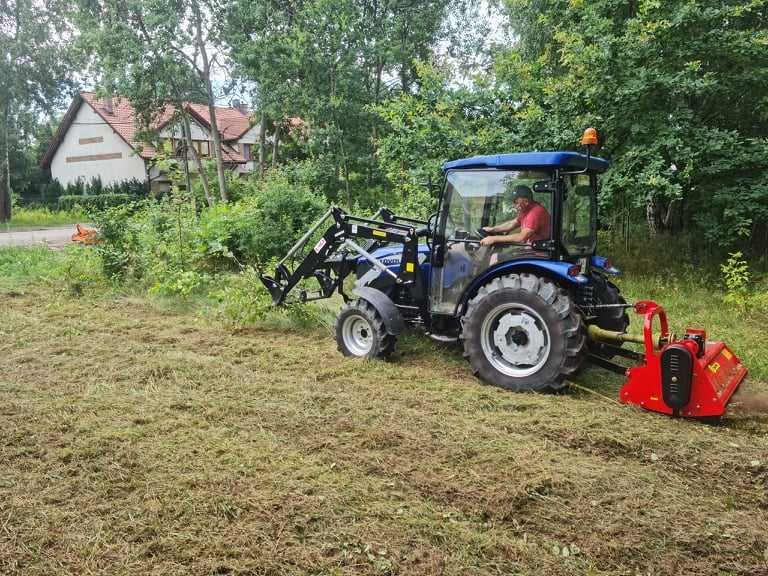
{"points": [[216, 143], [5, 166], [262, 144], [198, 163], [276, 145], [205, 74]]}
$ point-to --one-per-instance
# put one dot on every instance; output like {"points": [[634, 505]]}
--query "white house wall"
{"points": [[250, 137], [91, 149], [176, 131]]}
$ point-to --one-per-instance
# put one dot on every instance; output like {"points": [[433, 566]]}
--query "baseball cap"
{"points": [[522, 191]]}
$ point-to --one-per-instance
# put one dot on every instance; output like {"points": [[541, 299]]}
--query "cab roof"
{"points": [[529, 160]]}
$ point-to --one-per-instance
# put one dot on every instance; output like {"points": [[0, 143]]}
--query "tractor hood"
{"points": [[390, 255]]}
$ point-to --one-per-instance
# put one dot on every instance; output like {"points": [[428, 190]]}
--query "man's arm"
{"points": [[519, 237], [503, 227]]}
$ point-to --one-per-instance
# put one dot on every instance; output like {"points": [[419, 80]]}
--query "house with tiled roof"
{"points": [[99, 138]]}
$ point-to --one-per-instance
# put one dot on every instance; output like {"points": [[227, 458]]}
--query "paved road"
{"points": [[56, 237]]}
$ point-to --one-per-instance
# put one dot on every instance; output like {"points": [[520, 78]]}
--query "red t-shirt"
{"points": [[535, 218]]}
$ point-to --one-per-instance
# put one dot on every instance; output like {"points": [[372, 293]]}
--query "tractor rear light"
{"points": [[574, 270]]}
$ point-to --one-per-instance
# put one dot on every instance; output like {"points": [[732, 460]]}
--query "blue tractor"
{"points": [[521, 307]]}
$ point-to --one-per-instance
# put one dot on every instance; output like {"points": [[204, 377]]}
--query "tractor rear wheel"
{"points": [[360, 332], [523, 332]]}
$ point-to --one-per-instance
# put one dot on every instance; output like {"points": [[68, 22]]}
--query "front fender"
{"points": [[550, 268], [390, 315]]}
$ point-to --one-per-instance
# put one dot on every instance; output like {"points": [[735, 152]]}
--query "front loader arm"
{"points": [[328, 260]]}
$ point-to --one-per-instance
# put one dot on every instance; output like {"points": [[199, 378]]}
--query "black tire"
{"points": [[615, 319], [360, 332], [524, 298]]}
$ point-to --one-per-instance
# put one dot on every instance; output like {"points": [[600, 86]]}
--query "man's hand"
{"points": [[488, 229], [488, 241]]}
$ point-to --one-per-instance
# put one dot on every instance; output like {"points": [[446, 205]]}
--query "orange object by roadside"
{"points": [[84, 235]]}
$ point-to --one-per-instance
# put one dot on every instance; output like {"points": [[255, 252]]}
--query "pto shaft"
{"points": [[598, 334]]}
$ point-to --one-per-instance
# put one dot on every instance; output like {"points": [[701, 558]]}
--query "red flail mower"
{"points": [[687, 376]]}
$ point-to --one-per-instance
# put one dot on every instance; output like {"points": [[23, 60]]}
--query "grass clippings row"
{"points": [[137, 440]]}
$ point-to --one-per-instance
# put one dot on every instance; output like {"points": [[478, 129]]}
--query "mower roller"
{"points": [[507, 267]]}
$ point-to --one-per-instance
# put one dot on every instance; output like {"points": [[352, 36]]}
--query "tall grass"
{"points": [[39, 217]]}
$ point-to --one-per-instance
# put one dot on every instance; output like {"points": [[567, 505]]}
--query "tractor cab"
{"points": [[540, 210]]}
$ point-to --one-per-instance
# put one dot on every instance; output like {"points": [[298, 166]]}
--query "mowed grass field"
{"points": [[142, 438]]}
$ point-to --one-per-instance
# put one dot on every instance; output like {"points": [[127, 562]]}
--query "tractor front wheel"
{"points": [[360, 332], [523, 332]]}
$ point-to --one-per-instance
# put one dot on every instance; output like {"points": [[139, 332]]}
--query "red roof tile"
{"points": [[121, 116]]}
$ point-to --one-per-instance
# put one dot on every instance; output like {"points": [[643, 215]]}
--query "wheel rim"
{"points": [[358, 335], [515, 340]]}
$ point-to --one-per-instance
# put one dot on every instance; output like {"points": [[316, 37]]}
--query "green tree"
{"points": [[35, 66], [327, 61], [678, 90], [155, 53], [437, 123]]}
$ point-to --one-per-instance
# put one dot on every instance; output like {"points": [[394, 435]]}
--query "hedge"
{"points": [[69, 202]]}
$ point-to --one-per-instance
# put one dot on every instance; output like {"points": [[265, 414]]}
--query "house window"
{"points": [[203, 147], [247, 151]]}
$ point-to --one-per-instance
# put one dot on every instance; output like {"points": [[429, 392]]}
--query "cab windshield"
{"points": [[475, 199]]}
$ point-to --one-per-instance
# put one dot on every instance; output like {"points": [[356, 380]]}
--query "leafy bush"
{"points": [[70, 202], [285, 212], [118, 240], [736, 277], [264, 224], [50, 193], [242, 299]]}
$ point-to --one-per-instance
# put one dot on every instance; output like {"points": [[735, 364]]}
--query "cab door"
{"points": [[473, 199]]}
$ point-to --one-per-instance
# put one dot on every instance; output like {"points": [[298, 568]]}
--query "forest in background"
{"points": [[388, 90]]}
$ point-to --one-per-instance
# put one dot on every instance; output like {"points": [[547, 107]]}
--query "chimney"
{"points": [[109, 105], [241, 106]]}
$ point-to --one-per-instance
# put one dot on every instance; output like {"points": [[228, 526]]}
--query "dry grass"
{"points": [[142, 440]]}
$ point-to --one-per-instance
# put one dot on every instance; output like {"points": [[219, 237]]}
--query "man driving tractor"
{"points": [[532, 219]]}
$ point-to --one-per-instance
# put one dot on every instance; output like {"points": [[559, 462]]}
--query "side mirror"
{"points": [[544, 186]]}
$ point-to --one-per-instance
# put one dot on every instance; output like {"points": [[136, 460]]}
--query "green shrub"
{"points": [[263, 225], [70, 202], [94, 188], [736, 277], [181, 283], [50, 193], [118, 244], [243, 300], [285, 212]]}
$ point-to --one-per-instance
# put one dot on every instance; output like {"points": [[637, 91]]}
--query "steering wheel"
{"points": [[482, 233]]}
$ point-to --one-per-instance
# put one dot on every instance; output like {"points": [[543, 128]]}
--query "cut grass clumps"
{"points": [[140, 440]]}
